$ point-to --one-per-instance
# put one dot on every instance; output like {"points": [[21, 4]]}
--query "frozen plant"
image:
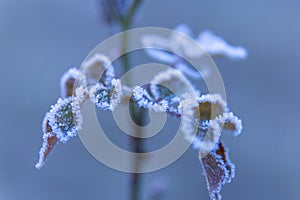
{"points": [[203, 116]]}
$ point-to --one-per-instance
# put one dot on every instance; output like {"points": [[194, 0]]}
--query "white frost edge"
{"points": [[54, 109], [230, 117], [71, 73], [42, 159], [96, 66]]}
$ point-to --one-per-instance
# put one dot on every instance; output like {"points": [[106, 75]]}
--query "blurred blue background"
{"points": [[41, 39]]}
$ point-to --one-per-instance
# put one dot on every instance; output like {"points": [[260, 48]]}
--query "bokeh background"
{"points": [[40, 40]]}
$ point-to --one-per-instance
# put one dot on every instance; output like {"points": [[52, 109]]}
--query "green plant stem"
{"points": [[136, 142]]}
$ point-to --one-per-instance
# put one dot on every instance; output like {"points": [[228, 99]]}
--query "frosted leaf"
{"points": [[64, 119], [68, 80], [218, 170], [187, 47], [209, 131], [210, 106], [106, 98], [207, 136], [160, 48], [162, 106], [205, 131], [144, 100], [217, 46], [139, 93], [169, 49], [230, 122], [99, 95], [142, 97], [98, 69], [170, 82], [49, 141], [61, 123]]}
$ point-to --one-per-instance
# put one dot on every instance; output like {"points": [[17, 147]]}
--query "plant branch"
{"points": [[138, 114]]}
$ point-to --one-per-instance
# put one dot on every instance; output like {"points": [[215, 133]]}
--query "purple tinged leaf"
{"points": [[49, 141], [218, 170]]}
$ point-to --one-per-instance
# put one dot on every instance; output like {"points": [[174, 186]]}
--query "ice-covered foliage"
{"points": [[203, 117], [218, 170], [144, 100], [49, 141], [182, 45], [106, 98], [203, 120], [217, 46], [63, 120], [98, 69], [95, 81], [185, 44], [164, 92], [68, 80]]}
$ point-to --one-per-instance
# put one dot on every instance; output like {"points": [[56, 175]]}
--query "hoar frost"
{"points": [[203, 117]]}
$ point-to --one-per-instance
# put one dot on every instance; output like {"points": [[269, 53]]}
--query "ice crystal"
{"points": [[168, 49], [172, 81], [163, 93], [171, 48], [144, 100], [61, 123], [68, 80], [142, 97], [99, 95], [203, 117], [49, 141], [63, 120], [170, 86], [217, 46], [179, 45], [98, 69], [106, 98], [230, 122], [117, 93]]}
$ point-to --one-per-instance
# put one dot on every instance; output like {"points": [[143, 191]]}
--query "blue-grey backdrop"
{"points": [[40, 40]]}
